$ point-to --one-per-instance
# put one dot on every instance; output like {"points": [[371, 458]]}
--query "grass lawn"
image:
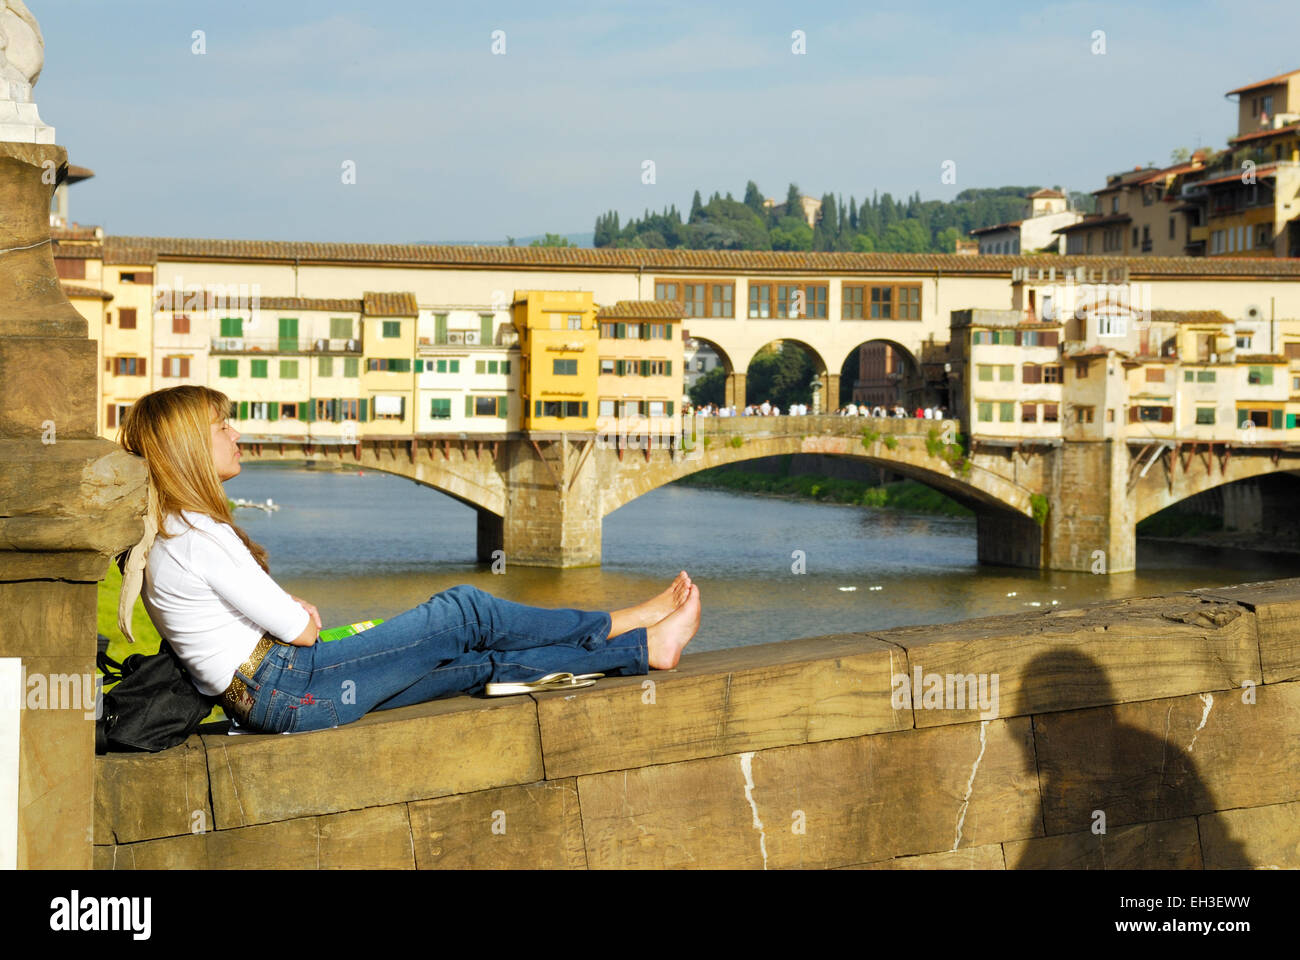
{"points": [[146, 636]]}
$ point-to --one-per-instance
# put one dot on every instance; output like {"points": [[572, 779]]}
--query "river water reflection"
{"points": [[370, 544]]}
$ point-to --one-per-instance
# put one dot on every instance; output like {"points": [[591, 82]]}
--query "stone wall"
{"points": [[1143, 733]]}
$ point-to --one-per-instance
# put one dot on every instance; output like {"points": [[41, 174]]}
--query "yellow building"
{"points": [[558, 359], [640, 351]]}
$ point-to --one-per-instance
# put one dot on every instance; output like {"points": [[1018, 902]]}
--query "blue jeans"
{"points": [[454, 642]]}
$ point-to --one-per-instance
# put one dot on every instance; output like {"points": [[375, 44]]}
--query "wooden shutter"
{"points": [[1031, 373], [140, 367], [112, 415], [501, 406], [1051, 338], [469, 405], [185, 366], [1166, 414], [1018, 338], [1133, 414], [108, 364]]}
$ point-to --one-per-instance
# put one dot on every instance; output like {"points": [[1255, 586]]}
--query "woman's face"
{"points": [[225, 451]]}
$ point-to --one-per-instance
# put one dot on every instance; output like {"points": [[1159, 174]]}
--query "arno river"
{"points": [[373, 545]]}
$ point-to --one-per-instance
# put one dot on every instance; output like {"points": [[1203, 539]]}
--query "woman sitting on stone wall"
{"points": [[208, 590]]}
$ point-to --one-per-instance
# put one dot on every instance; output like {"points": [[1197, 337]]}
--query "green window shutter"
{"points": [[584, 409], [1290, 420], [618, 367], [455, 366], [645, 331], [485, 330], [350, 366], [419, 366], [243, 409], [324, 366], [480, 366], [620, 330], [505, 366], [469, 405], [440, 328], [308, 408], [668, 369], [273, 411], [645, 368], [1242, 418], [501, 406], [670, 408], [361, 410], [340, 328], [1275, 418]]}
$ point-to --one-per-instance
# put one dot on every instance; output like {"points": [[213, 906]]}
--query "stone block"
{"points": [[427, 750], [819, 805], [1276, 605], [143, 796], [1170, 758], [1259, 838], [45, 618], [987, 857], [34, 377], [1164, 845], [722, 702], [528, 827], [1112, 652]]}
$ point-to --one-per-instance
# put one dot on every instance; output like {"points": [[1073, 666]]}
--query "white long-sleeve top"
{"points": [[206, 594]]}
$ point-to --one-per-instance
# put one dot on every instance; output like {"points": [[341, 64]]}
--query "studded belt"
{"points": [[237, 702]]}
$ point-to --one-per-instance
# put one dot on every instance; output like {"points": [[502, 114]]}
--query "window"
{"points": [[851, 303], [257, 410], [288, 369], [882, 303], [658, 331], [1264, 234], [560, 408], [700, 298], [176, 366], [1111, 325], [632, 331], [985, 412], [324, 366], [659, 368], [257, 368], [180, 323], [1081, 370], [288, 411], [1150, 413], [392, 328], [656, 408], [760, 306], [440, 408], [1006, 371], [1260, 376], [1206, 376], [351, 366], [390, 364], [1031, 373], [485, 406], [1006, 412], [606, 366], [227, 368], [340, 328], [575, 322], [126, 318], [605, 408], [984, 371], [564, 368], [446, 366], [1051, 413], [909, 303], [389, 407], [1029, 413], [288, 333], [1053, 373], [1086, 414], [1155, 374], [1243, 341], [1205, 415], [607, 330]]}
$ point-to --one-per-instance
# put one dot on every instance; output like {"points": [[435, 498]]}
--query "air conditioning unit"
{"points": [[455, 336], [1254, 313], [471, 336]]}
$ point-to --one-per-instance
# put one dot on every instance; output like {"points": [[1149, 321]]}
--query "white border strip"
{"points": [[11, 700]]}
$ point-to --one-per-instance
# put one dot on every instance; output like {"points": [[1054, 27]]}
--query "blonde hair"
{"points": [[172, 430]]}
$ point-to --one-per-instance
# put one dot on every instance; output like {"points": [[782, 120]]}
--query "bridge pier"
{"points": [[553, 500], [829, 398], [491, 535], [1091, 525]]}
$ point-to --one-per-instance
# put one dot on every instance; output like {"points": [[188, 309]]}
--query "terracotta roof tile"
{"points": [[719, 261], [997, 226], [1269, 170], [74, 233], [1047, 192], [1095, 221], [1262, 358], [1188, 316], [1263, 83], [78, 251], [389, 305], [308, 303], [642, 310], [77, 290], [1290, 128], [128, 255]]}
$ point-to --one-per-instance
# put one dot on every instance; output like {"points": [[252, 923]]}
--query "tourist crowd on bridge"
{"points": [[768, 409]]}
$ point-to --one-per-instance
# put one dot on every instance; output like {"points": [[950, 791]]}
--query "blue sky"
{"points": [[452, 142]]}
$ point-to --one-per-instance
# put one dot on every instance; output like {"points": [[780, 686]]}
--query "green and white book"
{"points": [[338, 633]]}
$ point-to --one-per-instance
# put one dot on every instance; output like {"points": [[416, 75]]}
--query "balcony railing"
{"points": [[322, 345]]}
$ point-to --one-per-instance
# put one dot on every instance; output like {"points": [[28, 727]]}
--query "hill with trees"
{"points": [[879, 223]]}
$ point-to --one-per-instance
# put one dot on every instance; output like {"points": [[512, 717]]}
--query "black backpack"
{"points": [[153, 706]]}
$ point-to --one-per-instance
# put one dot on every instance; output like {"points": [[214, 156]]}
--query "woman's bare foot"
{"points": [[665, 640], [653, 610]]}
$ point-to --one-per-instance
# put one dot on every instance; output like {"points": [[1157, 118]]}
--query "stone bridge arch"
{"points": [[1195, 468]]}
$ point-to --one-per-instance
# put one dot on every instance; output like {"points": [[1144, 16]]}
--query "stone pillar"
{"points": [[552, 518], [491, 534], [735, 391], [830, 391], [1008, 539], [69, 501], [1243, 506], [1090, 521]]}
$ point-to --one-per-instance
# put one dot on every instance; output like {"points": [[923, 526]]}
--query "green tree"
{"points": [[754, 198], [697, 208], [710, 388], [553, 240], [946, 240], [782, 377]]}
